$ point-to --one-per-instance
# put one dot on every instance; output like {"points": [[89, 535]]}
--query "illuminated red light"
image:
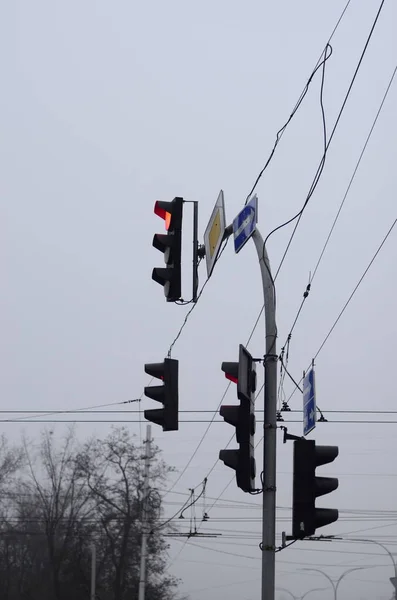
{"points": [[231, 378], [163, 214]]}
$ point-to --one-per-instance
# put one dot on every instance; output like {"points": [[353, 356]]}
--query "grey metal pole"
{"points": [[195, 250], [335, 585], [310, 591], [93, 571], [280, 589], [386, 550], [142, 570], [269, 426]]}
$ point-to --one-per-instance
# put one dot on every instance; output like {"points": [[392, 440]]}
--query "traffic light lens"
{"points": [[163, 214]]}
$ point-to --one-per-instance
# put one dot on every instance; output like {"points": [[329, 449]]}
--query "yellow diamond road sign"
{"points": [[213, 235]]}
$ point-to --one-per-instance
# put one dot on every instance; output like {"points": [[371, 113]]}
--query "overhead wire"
{"points": [[315, 181], [185, 320], [281, 131], [320, 63], [308, 287], [297, 217], [346, 304]]}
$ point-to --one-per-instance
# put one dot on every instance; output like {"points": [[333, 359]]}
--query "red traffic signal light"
{"points": [[243, 373], [171, 245], [242, 417], [306, 518], [167, 394]]}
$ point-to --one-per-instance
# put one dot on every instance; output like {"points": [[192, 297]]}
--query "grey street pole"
{"points": [[310, 591], [93, 571], [269, 426], [335, 584], [300, 597], [280, 589], [142, 570], [393, 580]]}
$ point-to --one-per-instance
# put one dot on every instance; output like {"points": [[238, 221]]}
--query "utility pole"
{"points": [[300, 597], [393, 580], [145, 532], [269, 425], [93, 571], [335, 584]]}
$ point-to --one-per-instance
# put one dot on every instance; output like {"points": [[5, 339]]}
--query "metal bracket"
{"points": [[289, 436]]}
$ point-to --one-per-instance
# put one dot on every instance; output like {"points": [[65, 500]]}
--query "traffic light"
{"points": [[306, 518], [167, 394], [242, 417], [171, 245]]}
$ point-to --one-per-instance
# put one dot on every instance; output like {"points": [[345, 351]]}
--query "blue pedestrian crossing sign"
{"points": [[309, 402], [244, 224]]}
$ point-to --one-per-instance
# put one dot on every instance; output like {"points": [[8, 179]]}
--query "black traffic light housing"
{"points": [[167, 394], [306, 518], [242, 417], [171, 245]]}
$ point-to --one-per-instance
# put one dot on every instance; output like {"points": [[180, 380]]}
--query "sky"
{"points": [[109, 106]]}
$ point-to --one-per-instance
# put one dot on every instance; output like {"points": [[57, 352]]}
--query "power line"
{"points": [[350, 297], [197, 411], [356, 288], [354, 172], [77, 410], [321, 62], [321, 165], [185, 320], [193, 421], [281, 131], [320, 168], [306, 293]]}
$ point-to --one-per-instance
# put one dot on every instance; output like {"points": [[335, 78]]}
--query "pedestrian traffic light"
{"points": [[171, 245], [167, 394], [242, 417], [306, 518]]}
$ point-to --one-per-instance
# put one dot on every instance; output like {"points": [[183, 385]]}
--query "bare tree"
{"points": [[113, 470], [58, 498]]}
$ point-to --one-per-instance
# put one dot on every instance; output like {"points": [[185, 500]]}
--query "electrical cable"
{"points": [[185, 320], [356, 288], [281, 131], [298, 216], [321, 62], [306, 293], [320, 168], [354, 173], [77, 410], [350, 296], [198, 411], [194, 421]]}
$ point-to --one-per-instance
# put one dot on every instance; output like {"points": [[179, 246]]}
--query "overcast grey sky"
{"points": [[109, 106]]}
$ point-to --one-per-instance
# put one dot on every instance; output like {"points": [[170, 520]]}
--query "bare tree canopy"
{"points": [[59, 499]]}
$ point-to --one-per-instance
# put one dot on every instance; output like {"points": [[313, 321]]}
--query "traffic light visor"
{"points": [[156, 370], [230, 370]]}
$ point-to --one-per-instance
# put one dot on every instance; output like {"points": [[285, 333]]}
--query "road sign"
{"points": [[244, 224], [213, 234], [309, 402]]}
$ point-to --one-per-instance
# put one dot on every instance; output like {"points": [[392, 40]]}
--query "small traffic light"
{"points": [[242, 417], [306, 518], [171, 245], [167, 394]]}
